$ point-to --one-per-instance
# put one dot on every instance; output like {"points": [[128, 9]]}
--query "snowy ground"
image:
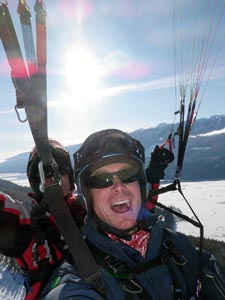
{"points": [[18, 178], [206, 198], [11, 282]]}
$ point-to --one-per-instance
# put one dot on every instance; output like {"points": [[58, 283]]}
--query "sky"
{"points": [[118, 64]]}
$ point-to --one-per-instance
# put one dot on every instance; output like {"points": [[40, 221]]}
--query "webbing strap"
{"points": [[10, 43], [176, 186], [41, 33], [172, 187], [183, 131], [31, 93], [28, 40], [36, 98], [162, 190], [41, 48], [82, 256]]}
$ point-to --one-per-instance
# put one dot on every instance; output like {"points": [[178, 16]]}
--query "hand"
{"points": [[160, 158], [77, 208], [15, 232]]}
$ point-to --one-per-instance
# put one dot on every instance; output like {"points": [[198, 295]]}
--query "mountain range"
{"points": [[204, 156]]}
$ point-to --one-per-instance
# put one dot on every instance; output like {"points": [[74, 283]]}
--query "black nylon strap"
{"points": [[146, 266], [162, 190], [28, 40], [11, 45], [31, 90], [84, 261]]}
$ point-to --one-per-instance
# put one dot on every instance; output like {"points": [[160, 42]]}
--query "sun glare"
{"points": [[82, 74]]}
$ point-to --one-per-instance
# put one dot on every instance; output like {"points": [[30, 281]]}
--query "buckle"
{"points": [[133, 288], [118, 269]]}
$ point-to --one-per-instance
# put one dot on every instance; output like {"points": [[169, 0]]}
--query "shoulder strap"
{"points": [[32, 96], [169, 255]]}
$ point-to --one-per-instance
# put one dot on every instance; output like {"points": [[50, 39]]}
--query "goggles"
{"points": [[103, 180]]}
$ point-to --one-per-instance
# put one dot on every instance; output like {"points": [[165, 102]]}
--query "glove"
{"points": [[15, 233], [160, 158], [39, 222], [44, 228], [77, 209]]}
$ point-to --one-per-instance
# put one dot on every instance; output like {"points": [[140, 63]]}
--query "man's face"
{"points": [[117, 205], [65, 184]]}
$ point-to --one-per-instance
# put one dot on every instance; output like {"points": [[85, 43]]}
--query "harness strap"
{"points": [[173, 258], [31, 95], [25, 20], [162, 190], [172, 187], [12, 49], [40, 11], [170, 256], [85, 262], [119, 269], [41, 47], [168, 142]]}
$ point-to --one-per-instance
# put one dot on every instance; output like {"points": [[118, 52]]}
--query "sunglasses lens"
{"points": [[104, 180], [100, 181]]}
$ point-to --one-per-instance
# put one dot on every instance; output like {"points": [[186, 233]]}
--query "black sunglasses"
{"points": [[103, 180]]}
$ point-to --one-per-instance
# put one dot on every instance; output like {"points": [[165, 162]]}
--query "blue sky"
{"points": [[111, 64]]}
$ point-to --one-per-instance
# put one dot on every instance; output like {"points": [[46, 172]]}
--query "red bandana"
{"points": [[139, 241]]}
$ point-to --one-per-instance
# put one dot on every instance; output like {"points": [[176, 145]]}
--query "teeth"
{"points": [[122, 202]]}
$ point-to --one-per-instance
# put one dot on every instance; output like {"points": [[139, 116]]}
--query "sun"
{"points": [[81, 76]]}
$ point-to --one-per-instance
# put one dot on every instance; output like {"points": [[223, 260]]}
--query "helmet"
{"points": [[62, 158], [106, 147]]}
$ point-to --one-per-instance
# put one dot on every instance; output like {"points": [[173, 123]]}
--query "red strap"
{"points": [[34, 291], [168, 142], [149, 205]]}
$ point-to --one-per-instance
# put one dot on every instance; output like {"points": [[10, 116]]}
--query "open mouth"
{"points": [[121, 206]]}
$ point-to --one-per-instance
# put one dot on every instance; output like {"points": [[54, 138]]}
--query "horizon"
{"points": [[76, 142], [198, 193], [70, 143]]}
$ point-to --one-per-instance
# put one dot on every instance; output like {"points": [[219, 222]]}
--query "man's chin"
{"points": [[126, 226]]}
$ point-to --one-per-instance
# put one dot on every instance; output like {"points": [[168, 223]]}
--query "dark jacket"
{"points": [[31, 236], [155, 283]]}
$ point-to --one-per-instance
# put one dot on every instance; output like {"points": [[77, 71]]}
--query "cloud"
{"points": [[6, 112], [156, 84], [211, 133], [162, 83], [125, 66]]}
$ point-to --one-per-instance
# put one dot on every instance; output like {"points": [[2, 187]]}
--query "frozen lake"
{"points": [[207, 199], [18, 178]]}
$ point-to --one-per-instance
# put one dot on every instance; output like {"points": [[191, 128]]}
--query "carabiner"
{"points": [[18, 115]]}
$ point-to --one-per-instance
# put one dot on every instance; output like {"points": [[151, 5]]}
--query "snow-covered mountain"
{"points": [[204, 158], [205, 155]]}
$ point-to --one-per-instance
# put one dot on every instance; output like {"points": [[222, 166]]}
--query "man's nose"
{"points": [[117, 183]]}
